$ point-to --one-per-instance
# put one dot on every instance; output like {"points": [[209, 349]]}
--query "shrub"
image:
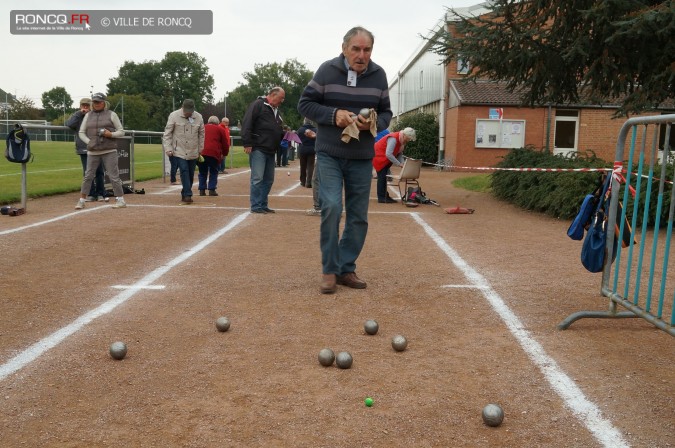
{"points": [[560, 194], [425, 147]]}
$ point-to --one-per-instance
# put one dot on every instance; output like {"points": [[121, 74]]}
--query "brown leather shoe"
{"points": [[351, 280], [328, 284]]}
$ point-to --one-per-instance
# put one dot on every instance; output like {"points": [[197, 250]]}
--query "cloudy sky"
{"points": [[245, 32]]}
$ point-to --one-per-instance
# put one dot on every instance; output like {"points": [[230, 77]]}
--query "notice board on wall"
{"points": [[499, 133]]}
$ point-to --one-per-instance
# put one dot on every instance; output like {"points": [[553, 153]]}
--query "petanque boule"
{"points": [[493, 415], [371, 327], [118, 350], [399, 343], [343, 360], [223, 324], [326, 357], [365, 112]]}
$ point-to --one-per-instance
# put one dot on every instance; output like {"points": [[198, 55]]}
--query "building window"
{"points": [[462, 66], [421, 79], [566, 131]]}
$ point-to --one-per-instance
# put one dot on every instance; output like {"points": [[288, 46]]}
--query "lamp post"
{"points": [[225, 105]]}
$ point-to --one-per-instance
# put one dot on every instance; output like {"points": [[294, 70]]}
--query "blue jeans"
{"points": [[282, 155], [339, 254], [187, 174], [98, 186], [208, 169], [173, 161], [262, 177]]}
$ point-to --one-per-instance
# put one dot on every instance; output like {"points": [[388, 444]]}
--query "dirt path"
{"points": [[477, 296]]}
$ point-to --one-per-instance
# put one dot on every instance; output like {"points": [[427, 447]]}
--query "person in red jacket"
{"points": [[225, 124], [216, 147], [389, 151]]}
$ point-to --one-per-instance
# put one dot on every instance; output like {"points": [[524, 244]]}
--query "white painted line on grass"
{"points": [[138, 287], [574, 398], [58, 218], [36, 350]]}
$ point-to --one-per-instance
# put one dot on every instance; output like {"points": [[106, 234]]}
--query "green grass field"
{"points": [[57, 169]]}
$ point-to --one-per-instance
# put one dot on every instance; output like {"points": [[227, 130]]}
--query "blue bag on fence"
{"points": [[576, 230], [593, 249]]}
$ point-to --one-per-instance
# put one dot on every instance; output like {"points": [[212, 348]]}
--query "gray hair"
{"points": [[410, 133], [354, 31], [213, 120]]}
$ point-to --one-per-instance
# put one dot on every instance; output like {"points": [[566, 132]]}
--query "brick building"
{"points": [[481, 121]]}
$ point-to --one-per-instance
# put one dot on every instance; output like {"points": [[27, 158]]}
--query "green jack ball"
{"points": [[368, 401]]}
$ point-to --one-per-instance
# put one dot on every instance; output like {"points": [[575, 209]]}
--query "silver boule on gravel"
{"points": [[493, 415], [365, 112], [223, 324], [118, 350], [326, 357], [371, 327], [399, 343], [343, 360]]}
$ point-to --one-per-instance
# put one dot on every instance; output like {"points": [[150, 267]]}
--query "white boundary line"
{"points": [[585, 410], [34, 351], [48, 221]]}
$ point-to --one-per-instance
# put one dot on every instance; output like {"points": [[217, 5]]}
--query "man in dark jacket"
{"points": [[261, 134], [339, 90], [74, 122]]}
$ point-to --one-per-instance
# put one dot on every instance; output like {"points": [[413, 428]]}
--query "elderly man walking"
{"points": [[261, 134], [340, 88], [184, 139]]}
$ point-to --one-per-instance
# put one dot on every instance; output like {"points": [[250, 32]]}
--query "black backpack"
{"points": [[18, 145]]}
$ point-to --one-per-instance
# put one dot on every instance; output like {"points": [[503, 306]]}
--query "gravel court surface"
{"points": [[184, 384]]}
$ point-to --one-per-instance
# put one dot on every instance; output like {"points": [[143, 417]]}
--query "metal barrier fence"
{"points": [[638, 278]]}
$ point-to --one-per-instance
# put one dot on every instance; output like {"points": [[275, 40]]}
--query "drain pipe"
{"points": [[441, 121]]}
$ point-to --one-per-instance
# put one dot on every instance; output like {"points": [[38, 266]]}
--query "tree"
{"points": [[558, 51], [186, 75], [24, 109], [57, 103], [292, 76], [165, 84], [133, 110]]}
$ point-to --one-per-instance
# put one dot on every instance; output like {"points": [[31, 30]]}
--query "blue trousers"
{"points": [[208, 169], [187, 174], [262, 177], [339, 253]]}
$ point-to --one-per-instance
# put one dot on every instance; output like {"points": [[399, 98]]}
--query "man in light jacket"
{"points": [[184, 139]]}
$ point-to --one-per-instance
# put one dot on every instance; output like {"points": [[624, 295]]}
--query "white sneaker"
{"points": [[313, 212], [103, 199], [120, 203], [90, 199], [80, 204]]}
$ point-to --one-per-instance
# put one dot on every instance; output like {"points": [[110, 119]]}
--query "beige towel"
{"points": [[352, 131]]}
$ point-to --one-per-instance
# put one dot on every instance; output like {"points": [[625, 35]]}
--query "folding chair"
{"points": [[408, 176]]}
